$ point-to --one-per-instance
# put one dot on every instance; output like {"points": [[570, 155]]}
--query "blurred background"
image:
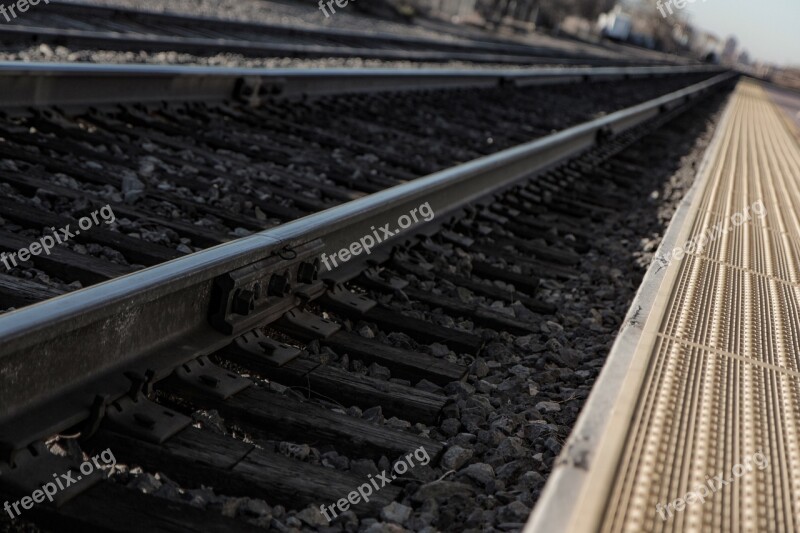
{"points": [[756, 38]]}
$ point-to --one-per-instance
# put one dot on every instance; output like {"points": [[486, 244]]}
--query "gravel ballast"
{"points": [[509, 419]]}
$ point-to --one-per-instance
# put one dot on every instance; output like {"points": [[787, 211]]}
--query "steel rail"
{"points": [[340, 43], [617, 49], [26, 85], [193, 21], [62, 358], [203, 46]]}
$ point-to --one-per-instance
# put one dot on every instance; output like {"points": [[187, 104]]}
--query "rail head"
{"points": [[26, 85], [161, 317], [71, 8]]}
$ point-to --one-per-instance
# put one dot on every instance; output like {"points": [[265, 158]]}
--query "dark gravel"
{"points": [[302, 147], [510, 418]]}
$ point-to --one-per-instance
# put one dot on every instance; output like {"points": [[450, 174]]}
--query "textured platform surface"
{"points": [[701, 433]]}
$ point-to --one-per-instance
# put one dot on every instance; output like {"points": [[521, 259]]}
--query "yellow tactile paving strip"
{"points": [[722, 385]]}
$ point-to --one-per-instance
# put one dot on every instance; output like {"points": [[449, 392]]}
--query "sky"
{"points": [[768, 29]]}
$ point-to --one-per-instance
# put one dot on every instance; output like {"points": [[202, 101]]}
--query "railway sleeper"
{"points": [[404, 364], [271, 416], [196, 457], [36, 182], [345, 387], [476, 287], [65, 263], [19, 292], [111, 507], [134, 250], [425, 332]]}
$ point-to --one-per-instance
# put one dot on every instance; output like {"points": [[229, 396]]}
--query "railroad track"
{"points": [[114, 28], [313, 156], [252, 368]]}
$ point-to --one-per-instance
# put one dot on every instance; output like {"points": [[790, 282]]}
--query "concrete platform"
{"points": [[693, 425]]}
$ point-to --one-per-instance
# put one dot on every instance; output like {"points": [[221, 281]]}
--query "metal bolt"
{"points": [[307, 272], [243, 302], [278, 285]]}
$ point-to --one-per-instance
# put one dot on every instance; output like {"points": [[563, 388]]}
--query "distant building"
{"points": [[453, 8], [705, 45], [743, 58], [519, 13], [627, 22], [615, 24], [728, 51]]}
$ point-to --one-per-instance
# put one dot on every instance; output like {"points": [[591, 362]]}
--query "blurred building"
{"points": [[453, 9], [788, 77], [743, 58], [630, 22], [728, 52], [616, 24], [510, 11], [705, 45]]}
